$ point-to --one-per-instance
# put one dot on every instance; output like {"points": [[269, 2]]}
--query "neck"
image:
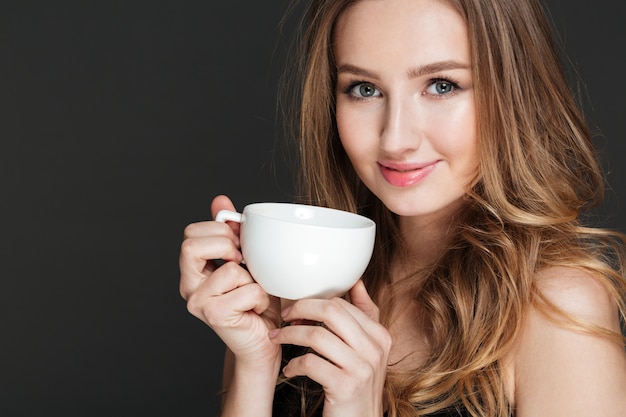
{"points": [[425, 239]]}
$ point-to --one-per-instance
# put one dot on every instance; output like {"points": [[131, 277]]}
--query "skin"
{"points": [[420, 118], [390, 116], [228, 300], [560, 372]]}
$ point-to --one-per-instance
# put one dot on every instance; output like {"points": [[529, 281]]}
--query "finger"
{"points": [[227, 278], [361, 299], [226, 294], [231, 309], [222, 202], [210, 228], [318, 338], [344, 388], [195, 252], [333, 365], [351, 325], [196, 255], [334, 314], [313, 366], [341, 324], [360, 306], [207, 228]]}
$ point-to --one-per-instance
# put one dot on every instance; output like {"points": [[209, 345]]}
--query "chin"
{"points": [[411, 207], [405, 207]]}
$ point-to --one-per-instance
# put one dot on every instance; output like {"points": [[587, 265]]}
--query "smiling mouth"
{"points": [[404, 176]]}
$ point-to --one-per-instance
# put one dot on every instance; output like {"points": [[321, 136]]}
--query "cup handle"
{"points": [[224, 216], [227, 215]]}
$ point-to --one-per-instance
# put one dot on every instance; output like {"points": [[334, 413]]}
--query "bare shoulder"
{"points": [[559, 370], [579, 294]]}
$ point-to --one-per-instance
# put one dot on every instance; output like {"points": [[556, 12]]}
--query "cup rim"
{"points": [[367, 222]]}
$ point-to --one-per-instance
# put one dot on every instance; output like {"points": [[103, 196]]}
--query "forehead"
{"points": [[424, 30]]}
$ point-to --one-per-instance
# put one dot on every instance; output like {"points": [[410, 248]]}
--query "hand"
{"points": [[226, 297], [352, 349]]}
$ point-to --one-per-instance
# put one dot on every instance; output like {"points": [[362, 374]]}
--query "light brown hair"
{"points": [[538, 175]]}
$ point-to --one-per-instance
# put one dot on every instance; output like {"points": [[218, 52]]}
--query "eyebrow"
{"points": [[411, 73]]}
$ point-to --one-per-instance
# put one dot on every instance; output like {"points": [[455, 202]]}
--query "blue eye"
{"points": [[441, 87], [364, 90]]}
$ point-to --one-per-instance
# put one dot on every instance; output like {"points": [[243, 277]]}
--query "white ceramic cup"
{"points": [[299, 251]]}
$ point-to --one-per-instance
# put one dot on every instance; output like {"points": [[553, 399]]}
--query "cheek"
{"points": [[468, 125], [342, 122], [352, 131], [466, 155], [460, 141]]}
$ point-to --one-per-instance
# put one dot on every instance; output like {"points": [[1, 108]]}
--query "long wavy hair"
{"points": [[538, 175]]}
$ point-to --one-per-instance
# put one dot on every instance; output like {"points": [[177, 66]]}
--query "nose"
{"points": [[399, 130]]}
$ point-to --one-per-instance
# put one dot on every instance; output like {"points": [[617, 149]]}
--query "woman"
{"points": [[450, 124]]}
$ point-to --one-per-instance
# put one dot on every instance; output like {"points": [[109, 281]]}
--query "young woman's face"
{"points": [[405, 104]]}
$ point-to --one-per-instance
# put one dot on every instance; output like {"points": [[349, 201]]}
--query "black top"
{"points": [[287, 404]]}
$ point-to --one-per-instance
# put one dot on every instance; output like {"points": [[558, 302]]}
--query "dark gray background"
{"points": [[120, 120]]}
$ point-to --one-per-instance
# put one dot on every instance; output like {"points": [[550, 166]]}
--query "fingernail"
{"points": [[286, 311]]}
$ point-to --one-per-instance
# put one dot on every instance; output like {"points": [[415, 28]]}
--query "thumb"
{"points": [[362, 300]]}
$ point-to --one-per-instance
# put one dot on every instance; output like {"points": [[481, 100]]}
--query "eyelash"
{"points": [[446, 80], [354, 84]]}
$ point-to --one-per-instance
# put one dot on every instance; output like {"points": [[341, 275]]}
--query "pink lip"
{"points": [[405, 174]]}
